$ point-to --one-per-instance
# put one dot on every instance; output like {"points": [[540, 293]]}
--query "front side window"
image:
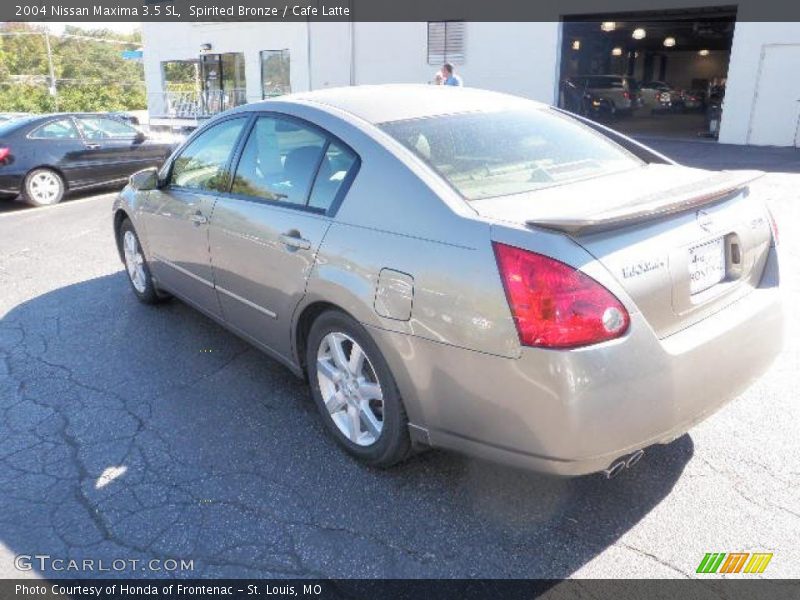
{"points": [[279, 161], [487, 154], [102, 128], [202, 164], [63, 129]]}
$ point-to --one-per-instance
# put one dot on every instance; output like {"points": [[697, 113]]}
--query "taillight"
{"points": [[4, 153], [555, 305], [773, 225]]}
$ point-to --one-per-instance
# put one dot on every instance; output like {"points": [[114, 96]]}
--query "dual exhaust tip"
{"points": [[623, 463]]}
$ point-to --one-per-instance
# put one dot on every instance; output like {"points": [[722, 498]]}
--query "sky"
{"points": [[120, 27]]}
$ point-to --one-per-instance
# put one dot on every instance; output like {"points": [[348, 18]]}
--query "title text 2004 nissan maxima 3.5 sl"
{"points": [[464, 269]]}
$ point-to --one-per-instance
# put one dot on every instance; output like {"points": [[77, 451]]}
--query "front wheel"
{"points": [[355, 392], [43, 187], [136, 265]]}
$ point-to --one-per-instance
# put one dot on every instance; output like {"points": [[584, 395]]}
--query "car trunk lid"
{"points": [[682, 242]]}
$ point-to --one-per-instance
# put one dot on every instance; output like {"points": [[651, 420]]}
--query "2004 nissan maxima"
{"points": [[464, 269]]}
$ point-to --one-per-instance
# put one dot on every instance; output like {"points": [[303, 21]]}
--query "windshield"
{"points": [[483, 155]]}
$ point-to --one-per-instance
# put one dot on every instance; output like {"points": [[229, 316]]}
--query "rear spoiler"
{"points": [[645, 208]]}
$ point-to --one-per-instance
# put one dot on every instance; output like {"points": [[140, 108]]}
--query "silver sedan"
{"points": [[456, 268]]}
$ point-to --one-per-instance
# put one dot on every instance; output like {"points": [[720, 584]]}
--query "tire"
{"points": [[43, 187], [136, 265], [367, 397]]}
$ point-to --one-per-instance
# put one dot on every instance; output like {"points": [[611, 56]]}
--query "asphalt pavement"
{"points": [[133, 433]]}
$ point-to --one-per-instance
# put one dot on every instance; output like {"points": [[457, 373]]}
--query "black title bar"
{"points": [[259, 589], [382, 10]]}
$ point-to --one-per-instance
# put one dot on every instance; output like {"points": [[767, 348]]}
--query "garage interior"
{"points": [[689, 51]]}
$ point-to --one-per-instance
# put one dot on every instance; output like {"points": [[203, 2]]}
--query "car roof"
{"points": [[395, 102], [27, 121], [30, 117]]}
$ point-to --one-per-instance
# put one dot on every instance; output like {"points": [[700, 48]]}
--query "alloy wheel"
{"points": [[44, 187], [350, 388], [134, 261]]}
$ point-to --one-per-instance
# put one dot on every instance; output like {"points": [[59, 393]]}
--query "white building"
{"points": [[193, 70]]}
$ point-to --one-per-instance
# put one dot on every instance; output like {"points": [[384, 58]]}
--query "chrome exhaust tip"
{"points": [[622, 464], [614, 470], [634, 458]]}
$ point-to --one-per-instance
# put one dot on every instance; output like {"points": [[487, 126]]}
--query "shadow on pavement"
{"points": [[133, 432], [17, 205]]}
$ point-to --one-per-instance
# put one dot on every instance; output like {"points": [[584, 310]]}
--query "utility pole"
{"points": [[53, 88]]}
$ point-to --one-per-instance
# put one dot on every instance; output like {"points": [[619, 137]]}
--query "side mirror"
{"points": [[144, 180], [139, 137]]}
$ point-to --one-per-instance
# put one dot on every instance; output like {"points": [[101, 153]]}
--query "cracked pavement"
{"points": [[134, 432]]}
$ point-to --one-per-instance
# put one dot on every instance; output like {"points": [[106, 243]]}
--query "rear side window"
{"points": [[279, 161], [63, 129], [489, 154], [605, 83], [334, 171], [103, 128], [202, 164], [285, 161]]}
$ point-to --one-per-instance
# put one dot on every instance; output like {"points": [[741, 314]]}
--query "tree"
{"points": [[91, 75]]}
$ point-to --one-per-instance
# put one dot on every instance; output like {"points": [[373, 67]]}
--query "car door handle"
{"points": [[199, 218], [293, 240], [92, 146]]}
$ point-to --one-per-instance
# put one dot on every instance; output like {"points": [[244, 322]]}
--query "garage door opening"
{"points": [[650, 74]]}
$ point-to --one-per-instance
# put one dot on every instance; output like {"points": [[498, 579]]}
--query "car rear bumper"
{"points": [[11, 183], [575, 412]]}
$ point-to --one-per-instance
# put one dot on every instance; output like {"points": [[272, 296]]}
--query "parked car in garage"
{"points": [[693, 100], [582, 102], [44, 156], [465, 269], [660, 97], [619, 91]]}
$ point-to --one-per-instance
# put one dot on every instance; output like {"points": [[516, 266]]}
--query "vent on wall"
{"points": [[446, 42]]}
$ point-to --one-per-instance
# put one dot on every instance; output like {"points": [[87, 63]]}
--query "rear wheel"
{"points": [[43, 187], [355, 391]]}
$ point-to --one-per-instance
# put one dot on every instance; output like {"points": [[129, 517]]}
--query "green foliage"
{"points": [[276, 72], [179, 72], [90, 75]]}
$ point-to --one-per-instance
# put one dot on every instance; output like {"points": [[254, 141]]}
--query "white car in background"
{"points": [[658, 96], [620, 91]]}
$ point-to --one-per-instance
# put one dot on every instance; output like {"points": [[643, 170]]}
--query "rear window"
{"points": [[605, 83], [11, 125], [483, 155], [62, 129]]}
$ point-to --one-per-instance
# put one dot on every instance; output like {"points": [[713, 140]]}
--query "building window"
{"points": [[180, 75], [275, 73], [446, 42]]}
